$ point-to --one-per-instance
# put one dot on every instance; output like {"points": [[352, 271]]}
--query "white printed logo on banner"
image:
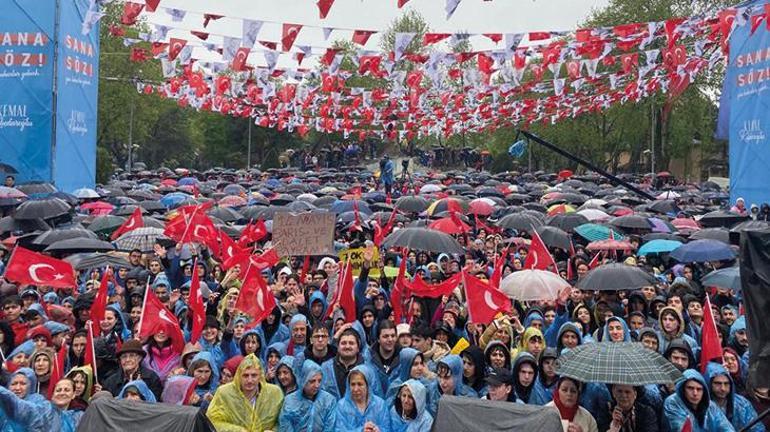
{"points": [[14, 116], [752, 131]]}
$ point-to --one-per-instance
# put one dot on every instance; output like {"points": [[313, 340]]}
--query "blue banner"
{"points": [[26, 80], [77, 84], [748, 87]]}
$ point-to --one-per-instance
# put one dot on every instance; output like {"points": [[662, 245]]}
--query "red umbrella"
{"points": [[565, 174], [622, 211], [232, 201], [610, 244], [685, 223], [98, 208], [481, 207], [168, 182], [448, 226], [664, 174]]}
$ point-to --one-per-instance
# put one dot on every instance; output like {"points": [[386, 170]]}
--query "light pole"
{"points": [[248, 153]]}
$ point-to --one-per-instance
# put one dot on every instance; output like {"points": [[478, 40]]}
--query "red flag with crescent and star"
{"points": [[133, 222], [484, 301], [155, 317], [31, 268], [538, 256]]}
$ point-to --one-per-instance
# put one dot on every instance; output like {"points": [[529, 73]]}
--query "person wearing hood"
{"points": [[385, 355], [531, 341], [273, 328], [569, 336], [738, 339], [252, 342], [247, 403], [497, 355], [738, 410], [20, 356], [209, 341], [450, 381], [546, 377], [22, 383], [566, 397], [310, 408], [409, 413], [206, 374], [335, 370], [672, 327], [691, 401], [137, 391], [285, 378], [274, 354], [27, 414], [626, 412], [738, 368], [40, 336], [475, 368], [649, 337], [615, 330], [413, 366], [299, 329], [368, 320], [317, 310], [360, 408], [41, 362], [524, 373], [83, 377], [7, 338], [320, 349]]}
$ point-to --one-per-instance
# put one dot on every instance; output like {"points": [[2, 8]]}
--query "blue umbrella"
{"points": [[702, 251], [174, 198], [658, 246], [187, 181], [727, 278], [595, 232], [343, 206]]}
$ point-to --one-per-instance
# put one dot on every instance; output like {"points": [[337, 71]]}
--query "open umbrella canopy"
{"points": [[128, 210], [86, 193], [726, 278], [423, 239], [481, 207], [658, 246], [615, 277], [37, 188], [520, 222], [106, 224], [703, 251], [140, 238], [533, 285], [55, 235], [97, 208], [554, 237], [721, 218], [9, 225], [594, 215], [719, 234], [449, 226], [596, 232], [79, 245], [85, 261], [625, 363], [567, 221], [448, 204], [342, 206], [632, 222], [11, 196], [685, 224], [46, 208], [610, 245]]}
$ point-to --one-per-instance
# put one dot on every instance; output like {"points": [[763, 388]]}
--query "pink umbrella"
{"points": [[98, 208], [232, 201], [685, 223], [481, 207], [610, 244]]}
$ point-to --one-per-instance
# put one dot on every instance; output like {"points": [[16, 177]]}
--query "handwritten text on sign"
{"points": [[304, 234]]}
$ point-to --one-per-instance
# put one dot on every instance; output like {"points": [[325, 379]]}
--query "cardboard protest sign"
{"points": [[303, 234]]}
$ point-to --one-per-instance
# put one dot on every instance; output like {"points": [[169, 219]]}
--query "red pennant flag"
{"points": [[305, 269], [401, 3], [192, 227], [710, 347], [239, 61], [596, 261], [197, 308], [200, 35], [152, 5], [497, 272], [207, 18], [323, 7], [484, 302], [175, 47], [225, 248], [90, 354], [538, 256], [99, 307], [255, 299], [57, 369], [133, 222], [344, 295], [155, 318], [290, 32], [131, 12], [431, 38], [397, 294], [31, 268], [361, 36]]}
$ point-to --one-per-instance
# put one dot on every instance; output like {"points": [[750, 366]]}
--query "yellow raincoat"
{"points": [[85, 370], [231, 411], [529, 333]]}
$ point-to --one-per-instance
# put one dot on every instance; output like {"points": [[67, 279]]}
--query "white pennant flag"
{"points": [[92, 17], [177, 15], [160, 33], [614, 81], [512, 41], [591, 65], [327, 32], [185, 55], [250, 31], [652, 56], [401, 43], [230, 47], [271, 57], [169, 67]]}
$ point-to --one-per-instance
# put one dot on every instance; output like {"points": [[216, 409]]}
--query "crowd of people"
{"points": [[307, 366]]}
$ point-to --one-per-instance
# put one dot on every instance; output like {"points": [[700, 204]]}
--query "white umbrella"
{"points": [[668, 195], [430, 188], [530, 285], [594, 214], [86, 193]]}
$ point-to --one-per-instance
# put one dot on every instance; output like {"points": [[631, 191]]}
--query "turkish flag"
{"points": [[155, 317], [596, 261], [538, 256], [290, 32], [401, 3], [361, 36], [193, 227], [323, 7], [138, 55], [131, 12], [420, 288], [175, 47], [197, 308], [133, 222], [381, 233], [239, 61], [497, 272], [57, 369], [484, 301], [344, 295], [397, 293], [100, 300], [31, 268], [710, 347], [152, 5], [255, 299], [253, 232], [225, 248]]}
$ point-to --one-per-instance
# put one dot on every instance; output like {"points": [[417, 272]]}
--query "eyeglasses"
{"points": [[320, 336]]}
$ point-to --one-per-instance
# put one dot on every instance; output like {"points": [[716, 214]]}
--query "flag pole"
{"points": [[2, 354], [144, 304], [93, 349]]}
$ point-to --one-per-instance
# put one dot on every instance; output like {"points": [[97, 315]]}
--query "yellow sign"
{"points": [[357, 260]]}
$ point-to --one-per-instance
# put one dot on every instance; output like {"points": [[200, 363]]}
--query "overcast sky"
{"points": [[473, 16]]}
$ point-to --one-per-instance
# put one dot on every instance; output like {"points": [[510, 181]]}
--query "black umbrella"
{"points": [[83, 261], [79, 245], [662, 236], [9, 224], [631, 222], [519, 222], [720, 234], [383, 217], [554, 237], [423, 239], [615, 277], [37, 188], [127, 210], [151, 222], [300, 206], [721, 218], [226, 214], [106, 224], [46, 208], [153, 206], [52, 236], [664, 207], [567, 221], [325, 201], [412, 204]]}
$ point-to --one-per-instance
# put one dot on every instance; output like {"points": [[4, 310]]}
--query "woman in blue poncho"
{"points": [[361, 409], [36, 414]]}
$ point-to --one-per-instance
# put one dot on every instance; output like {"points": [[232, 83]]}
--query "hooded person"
{"points": [[672, 326], [615, 330], [569, 336], [336, 369], [209, 341], [22, 383], [310, 408], [691, 400], [206, 374], [20, 356], [738, 339], [37, 414], [531, 341], [409, 413], [450, 381], [42, 362], [298, 340], [496, 354], [253, 342], [247, 403], [137, 390], [413, 366], [546, 377], [83, 377], [317, 308], [285, 376], [524, 373], [360, 406], [738, 410], [273, 328], [475, 368]]}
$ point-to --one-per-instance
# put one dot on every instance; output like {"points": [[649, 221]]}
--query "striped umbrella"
{"points": [[624, 363]]}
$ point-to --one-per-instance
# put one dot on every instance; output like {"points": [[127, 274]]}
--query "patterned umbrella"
{"points": [[610, 245], [140, 238], [533, 285], [84, 261], [625, 363]]}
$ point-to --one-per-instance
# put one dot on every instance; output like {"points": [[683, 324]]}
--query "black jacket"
{"points": [[645, 419], [116, 381]]}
